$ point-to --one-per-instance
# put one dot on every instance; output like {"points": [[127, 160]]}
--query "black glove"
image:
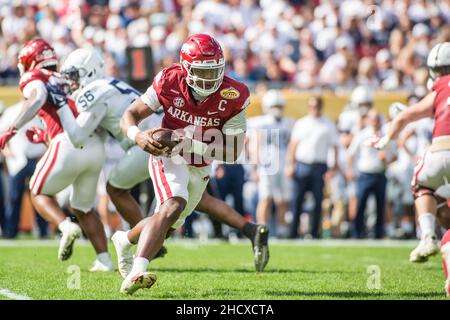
{"points": [[56, 96]]}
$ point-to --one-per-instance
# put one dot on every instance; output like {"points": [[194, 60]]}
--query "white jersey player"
{"points": [[63, 164], [101, 102], [273, 133], [351, 118]]}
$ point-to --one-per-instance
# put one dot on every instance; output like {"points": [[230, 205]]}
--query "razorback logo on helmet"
{"points": [[46, 54], [187, 48], [230, 93]]}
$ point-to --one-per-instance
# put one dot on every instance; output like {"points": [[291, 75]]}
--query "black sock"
{"points": [[249, 230]]}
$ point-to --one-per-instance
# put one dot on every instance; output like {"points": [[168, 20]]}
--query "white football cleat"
{"points": [[70, 232], [445, 250], [104, 266], [142, 280], [124, 255], [428, 246]]}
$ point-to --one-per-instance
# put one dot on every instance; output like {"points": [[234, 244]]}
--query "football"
{"points": [[167, 137]]}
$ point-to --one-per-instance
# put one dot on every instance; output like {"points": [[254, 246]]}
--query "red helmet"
{"points": [[36, 54], [203, 63]]}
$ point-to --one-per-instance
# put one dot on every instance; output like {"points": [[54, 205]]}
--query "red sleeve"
{"points": [[441, 83], [158, 82]]}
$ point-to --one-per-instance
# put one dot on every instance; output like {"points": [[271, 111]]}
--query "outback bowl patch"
{"points": [[230, 93]]}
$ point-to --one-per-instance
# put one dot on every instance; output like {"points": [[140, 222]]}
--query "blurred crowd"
{"points": [[335, 185], [300, 43]]}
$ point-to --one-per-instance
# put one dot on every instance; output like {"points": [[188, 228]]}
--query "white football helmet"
{"points": [[361, 95], [271, 99], [438, 57], [83, 66]]}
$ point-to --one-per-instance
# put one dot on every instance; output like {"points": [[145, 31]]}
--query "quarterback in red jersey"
{"points": [[432, 173], [62, 165], [207, 109]]}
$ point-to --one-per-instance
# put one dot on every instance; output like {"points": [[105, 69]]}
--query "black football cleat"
{"points": [[161, 253]]}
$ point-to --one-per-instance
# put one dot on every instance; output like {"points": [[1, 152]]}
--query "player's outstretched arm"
{"points": [[135, 113], [80, 128], [35, 96], [422, 109]]}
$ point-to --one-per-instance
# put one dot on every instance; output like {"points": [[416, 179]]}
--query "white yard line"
{"points": [[12, 295]]}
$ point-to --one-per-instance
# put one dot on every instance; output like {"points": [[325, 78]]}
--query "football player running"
{"points": [[101, 102], [63, 164], [433, 170], [196, 98]]}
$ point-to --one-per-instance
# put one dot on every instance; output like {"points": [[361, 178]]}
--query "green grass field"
{"points": [[192, 270]]}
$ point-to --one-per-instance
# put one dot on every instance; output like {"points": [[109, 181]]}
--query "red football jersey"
{"points": [[442, 107], [181, 110], [47, 113]]}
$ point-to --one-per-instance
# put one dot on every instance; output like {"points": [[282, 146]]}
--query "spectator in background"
{"points": [[21, 159], [371, 165], [386, 75], [295, 44], [312, 138], [367, 73], [337, 69]]}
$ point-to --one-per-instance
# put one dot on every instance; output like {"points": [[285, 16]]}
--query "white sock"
{"points": [[103, 257], [124, 241], [140, 264], [427, 223], [64, 224]]}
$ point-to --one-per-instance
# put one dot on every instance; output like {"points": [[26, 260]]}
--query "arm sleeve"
{"points": [[78, 129], [150, 98], [36, 88], [235, 125], [238, 123]]}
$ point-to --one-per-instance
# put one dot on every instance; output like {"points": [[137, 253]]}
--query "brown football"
{"points": [[167, 137]]}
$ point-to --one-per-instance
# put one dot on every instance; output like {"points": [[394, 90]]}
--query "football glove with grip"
{"points": [[36, 135], [6, 136], [56, 96]]}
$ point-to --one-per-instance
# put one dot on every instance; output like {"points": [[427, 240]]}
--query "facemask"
{"points": [[276, 112]]}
